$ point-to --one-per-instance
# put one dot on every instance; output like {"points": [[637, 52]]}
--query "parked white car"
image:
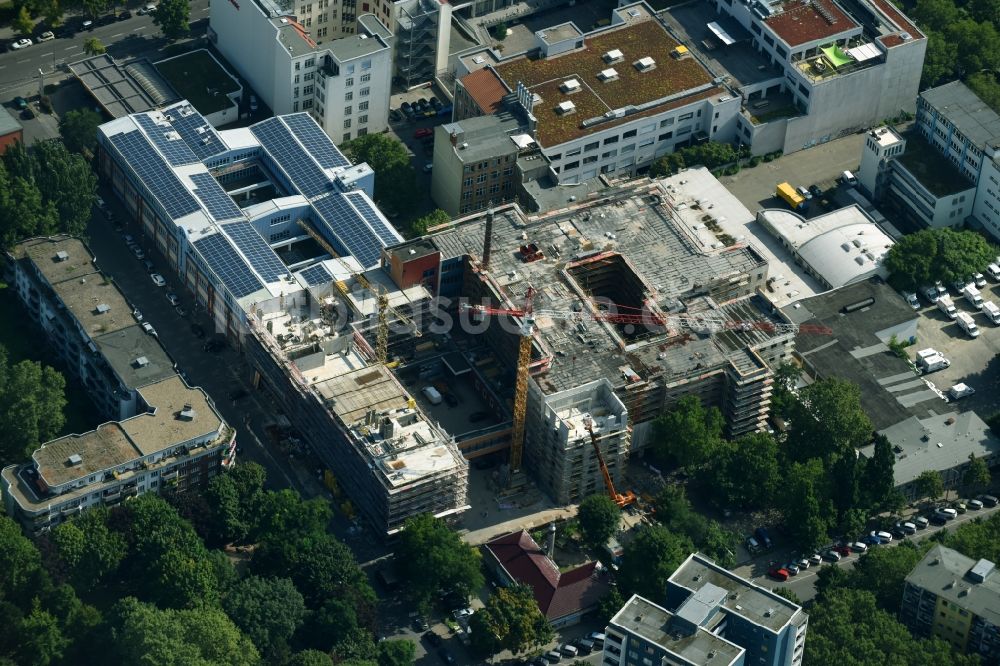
{"points": [[959, 391], [158, 280], [21, 44]]}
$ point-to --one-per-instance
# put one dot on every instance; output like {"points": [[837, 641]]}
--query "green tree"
{"points": [[79, 131], [805, 514], [310, 658], [499, 31], [23, 24], [93, 46], [510, 620], [978, 539], [148, 635], [883, 572], [172, 17], [94, 8], [328, 625], [688, 434], [268, 610], [32, 400], [744, 473], [674, 510], [284, 514], [827, 421], [437, 217], [609, 605], [19, 559], [380, 151], [234, 498], [357, 647], [937, 254], [649, 560], [599, 517], [396, 653], [786, 378], [879, 481], [432, 557], [41, 640], [940, 60], [52, 12], [929, 485], [977, 474], [667, 165], [88, 548], [788, 594]]}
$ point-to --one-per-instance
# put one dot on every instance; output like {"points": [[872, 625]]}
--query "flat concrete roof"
{"points": [[971, 116], [136, 357], [166, 426], [58, 258], [104, 448]]}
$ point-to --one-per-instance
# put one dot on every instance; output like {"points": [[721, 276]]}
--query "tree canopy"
{"points": [[79, 130], [744, 473], [32, 400], [944, 254], [510, 620], [599, 518], [172, 17], [268, 610], [436, 217], [689, 433], [674, 511], [395, 178], [432, 557], [929, 484], [649, 559]]}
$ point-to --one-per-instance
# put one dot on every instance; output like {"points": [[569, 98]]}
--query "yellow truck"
{"points": [[786, 192]]}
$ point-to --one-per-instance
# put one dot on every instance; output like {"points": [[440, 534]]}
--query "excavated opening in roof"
{"points": [[612, 283]]}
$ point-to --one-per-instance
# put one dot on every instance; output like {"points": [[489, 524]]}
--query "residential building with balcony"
{"points": [[957, 599], [711, 616], [343, 83], [942, 171]]}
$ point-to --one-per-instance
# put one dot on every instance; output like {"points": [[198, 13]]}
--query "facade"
{"points": [[162, 433], [957, 599], [563, 597], [710, 616], [273, 232], [344, 83], [908, 170], [11, 132], [838, 248]]}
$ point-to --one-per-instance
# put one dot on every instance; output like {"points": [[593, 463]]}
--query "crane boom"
{"points": [[622, 500]]}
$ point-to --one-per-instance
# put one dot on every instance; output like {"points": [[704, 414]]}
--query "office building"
{"points": [[711, 616], [957, 599], [943, 171], [344, 83], [162, 434]]}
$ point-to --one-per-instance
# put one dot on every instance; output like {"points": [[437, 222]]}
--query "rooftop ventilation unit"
{"points": [[74, 459], [645, 64], [188, 413], [141, 362], [103, 308], [609, 74], [566, 108], [905, 36], [479, 60], [570, 86], [62, 255], [634, 13], [613, 56]]}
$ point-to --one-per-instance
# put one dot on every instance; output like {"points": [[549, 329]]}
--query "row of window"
{"points": [[493, 189]]}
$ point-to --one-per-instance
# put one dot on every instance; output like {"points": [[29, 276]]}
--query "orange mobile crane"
{"points": [[622, 500]]}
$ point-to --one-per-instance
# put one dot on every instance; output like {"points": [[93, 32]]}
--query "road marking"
{"points": [[25, 60], [70, 48], [118, 35]]}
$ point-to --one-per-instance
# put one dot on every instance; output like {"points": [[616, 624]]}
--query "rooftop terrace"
{"points": [[931, 168], [684, 78]]}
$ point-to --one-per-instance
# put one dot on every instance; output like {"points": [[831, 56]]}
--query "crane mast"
{"points": [[621, 500]]}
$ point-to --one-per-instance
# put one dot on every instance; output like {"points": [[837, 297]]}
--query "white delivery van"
{"points": [[933, 363], [971, 293], [968, 324], [946, 306], [992, 312], [994, 271], [849, 178], [927, 353], [432, 394]]}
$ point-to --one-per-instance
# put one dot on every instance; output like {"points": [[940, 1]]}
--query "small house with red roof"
{"points": [[563, 597]]}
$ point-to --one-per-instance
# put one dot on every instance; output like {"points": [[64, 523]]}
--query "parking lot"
{"points": [[973, 360]]}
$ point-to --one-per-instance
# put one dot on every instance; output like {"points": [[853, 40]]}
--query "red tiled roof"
{"points": [[557, 595], [486, 88], [899, 18], [803, 21]]}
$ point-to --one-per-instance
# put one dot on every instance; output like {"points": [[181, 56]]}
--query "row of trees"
{"points": [[921, 258], [711, 154], [172, 16], [32, 403], [143, 583], [963, 42]]}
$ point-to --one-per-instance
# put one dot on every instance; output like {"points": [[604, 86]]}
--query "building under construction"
{"points": [[631, 310]]}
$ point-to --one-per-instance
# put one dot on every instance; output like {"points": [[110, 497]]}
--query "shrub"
{"points": [[45, 103]]}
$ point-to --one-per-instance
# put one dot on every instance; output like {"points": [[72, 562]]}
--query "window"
{"points": [[309, 76], [664, 137], [647, 142], [295, 106], [481, 178], [362, 120], [574, 152], [297, 65], [494, 188], [467, 195], [575, 164], [495, 175], [686, 116], [630, 148], [365, 78], [366, 64], [684, 130], [347, 123], [480, 191], [508, 171], [347, 110], [307, 104], [307, 90], [348, 96], [350, 69], [666, 122], [363, 106], [296, 79], [590, 159], [610, 140], [629, 134], [610, 153], [349, 81], [592, 146], [365, 91], [467, 182]]}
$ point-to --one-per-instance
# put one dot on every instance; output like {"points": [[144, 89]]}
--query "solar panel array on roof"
{"points": [[374, 218], [196, 132], [303, 171], [219, 204], [316, 140], [315, 275], [153, 171], [172, 147], [350, 229], [228, 265], [260, 255]]}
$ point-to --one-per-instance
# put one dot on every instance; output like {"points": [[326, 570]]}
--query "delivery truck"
{"points": [[787, 193], [947, 307], [968, 324]]}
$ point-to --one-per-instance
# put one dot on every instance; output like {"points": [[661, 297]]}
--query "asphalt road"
{"points": [[134, 36], [804, 584]]}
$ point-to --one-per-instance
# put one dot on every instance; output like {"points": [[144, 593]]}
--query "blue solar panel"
{"points": [[374, 218], [228, 265], [316, 141], [317, 274], [153, 171], [175, 150], [197, 133], [350, 229], [302, 170], [258, 253], [219, 204]]}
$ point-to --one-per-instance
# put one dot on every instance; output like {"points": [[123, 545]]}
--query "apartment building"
{"points": [[711, 616], [957, 599], [161, 433], [344, 83], [907, 172]]}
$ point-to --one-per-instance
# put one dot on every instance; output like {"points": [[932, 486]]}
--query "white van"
{"points": [[971, 293], [947, 307], [432, 394], [849, 178], [968, 324], [992, 312], [994, 271], [933, 364]]}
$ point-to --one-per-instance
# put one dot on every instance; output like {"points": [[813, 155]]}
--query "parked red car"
{"points": [[422, 132], [779, 574], [843, 550]]}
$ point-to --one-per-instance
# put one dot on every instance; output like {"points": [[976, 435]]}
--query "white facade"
{"points": [[344, 84]]}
